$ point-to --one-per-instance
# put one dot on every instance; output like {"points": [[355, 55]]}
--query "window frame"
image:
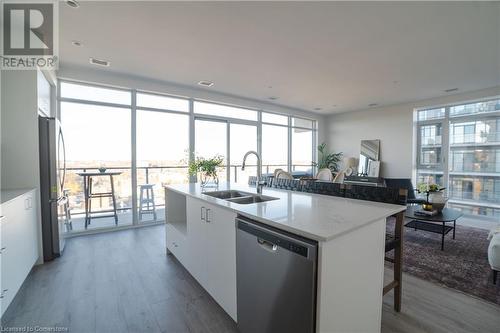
{"points": [[447, 144], [133, 107]]}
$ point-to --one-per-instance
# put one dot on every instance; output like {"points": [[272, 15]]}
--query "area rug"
{"points": [[463, 265]]}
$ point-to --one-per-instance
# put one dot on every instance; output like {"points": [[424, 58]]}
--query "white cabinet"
{"points": [[19, 244], [212, 251], [44, 94], [222, 257], [197, 234], [176, 242]]}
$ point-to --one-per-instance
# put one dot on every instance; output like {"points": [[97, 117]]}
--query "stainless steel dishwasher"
{"points": [[276, 279]]}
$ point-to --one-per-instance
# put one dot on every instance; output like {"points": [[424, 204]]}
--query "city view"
{"points": [[471, 171]]}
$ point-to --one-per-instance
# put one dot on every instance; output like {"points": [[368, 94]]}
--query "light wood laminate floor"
{"points": [[124, 282]]}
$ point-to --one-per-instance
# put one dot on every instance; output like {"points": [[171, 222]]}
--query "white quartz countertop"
{"points": [[315, 216], [8, 195]]}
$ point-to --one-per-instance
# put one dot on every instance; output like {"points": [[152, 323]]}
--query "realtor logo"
{"points": [[28, 36]]}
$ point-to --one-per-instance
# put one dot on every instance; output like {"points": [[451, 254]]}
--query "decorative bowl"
{"points": [[427, 206]]}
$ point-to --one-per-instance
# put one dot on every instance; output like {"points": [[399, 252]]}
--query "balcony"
{"points": [[482, 138], [158, 175]]}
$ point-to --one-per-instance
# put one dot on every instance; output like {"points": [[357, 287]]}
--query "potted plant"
{"points": [[435, 198], [207, 170], [328, 160]]}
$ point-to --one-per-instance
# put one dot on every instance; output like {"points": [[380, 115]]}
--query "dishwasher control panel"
{"points": [[275, 240]]}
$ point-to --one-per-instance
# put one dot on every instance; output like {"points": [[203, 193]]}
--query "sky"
{"points": [[102, 133]]}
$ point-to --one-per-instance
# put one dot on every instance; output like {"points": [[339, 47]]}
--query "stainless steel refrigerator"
{"points": [[52, 177]]}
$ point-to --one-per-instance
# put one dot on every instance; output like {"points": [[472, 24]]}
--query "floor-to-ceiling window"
{"points": [[459, 148], [274, 147], [243, 138], [162, 145], [430, 146], [302, 145], [149, 137], [96, 123], [227, 131]]}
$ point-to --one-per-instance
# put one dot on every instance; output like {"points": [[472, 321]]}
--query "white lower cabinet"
{"points": [[211, 251], [176, 242], [19, 244]]}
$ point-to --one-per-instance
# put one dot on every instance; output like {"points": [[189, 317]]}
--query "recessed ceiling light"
{"points": [[451, 90], [372, 104], [206, 83], [73, 3], [99, 62], [318, 109], [76, 43], [273, 98]]}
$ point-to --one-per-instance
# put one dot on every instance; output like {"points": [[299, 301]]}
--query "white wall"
{"points": [[141, 83], [20, 166], [19, 146], [393, 125]]}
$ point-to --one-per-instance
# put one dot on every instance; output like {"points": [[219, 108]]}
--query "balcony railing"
{"points": [[475, 138], [474, 198], [160, 175]]}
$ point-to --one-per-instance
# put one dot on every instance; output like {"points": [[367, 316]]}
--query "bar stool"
{"points": [[147, 201], [67, 211]]}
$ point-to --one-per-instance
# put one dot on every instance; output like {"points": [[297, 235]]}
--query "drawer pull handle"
{"points": [[207, 218], [202, 213], [3, 249]]}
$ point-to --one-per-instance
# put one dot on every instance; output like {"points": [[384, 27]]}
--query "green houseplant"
{"points": [[328, 160], [207, 169]]}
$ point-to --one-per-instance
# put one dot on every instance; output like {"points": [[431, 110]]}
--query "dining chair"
{"points": [[406, 184], [284, 175], [276, 171], [324, 174], [393, 241]]}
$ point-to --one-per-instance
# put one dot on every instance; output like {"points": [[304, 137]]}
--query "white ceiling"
{"points": [[333, 56]]}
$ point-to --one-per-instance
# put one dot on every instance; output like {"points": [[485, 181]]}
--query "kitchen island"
{"points": [[350, 237]]}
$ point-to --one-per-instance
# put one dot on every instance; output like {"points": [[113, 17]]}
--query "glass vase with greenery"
{"points": [[207, 169], [328, 160], [434, 198]]}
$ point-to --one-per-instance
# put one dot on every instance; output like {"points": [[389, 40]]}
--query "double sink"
{"points": [[240, 197]]}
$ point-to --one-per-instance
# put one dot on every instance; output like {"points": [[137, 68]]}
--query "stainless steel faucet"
{"points": [[260, 182]]}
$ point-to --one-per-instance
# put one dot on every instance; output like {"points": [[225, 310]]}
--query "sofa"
{"points": [[494, 252]]}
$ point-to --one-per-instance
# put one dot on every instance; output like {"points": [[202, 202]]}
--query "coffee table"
{"points": [[436, 223]]}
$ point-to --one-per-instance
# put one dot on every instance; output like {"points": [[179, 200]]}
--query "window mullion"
{"points": [[133, 163], [445, 158], [289, 155], [192, 178]]}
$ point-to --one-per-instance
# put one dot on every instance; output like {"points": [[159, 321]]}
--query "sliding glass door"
{"points": [[210, 141], [228, 139], [242, 139], [274, 147]]}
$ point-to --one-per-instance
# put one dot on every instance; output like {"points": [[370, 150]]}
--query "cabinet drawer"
{"points": [[19, 244], [176, 243]]}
